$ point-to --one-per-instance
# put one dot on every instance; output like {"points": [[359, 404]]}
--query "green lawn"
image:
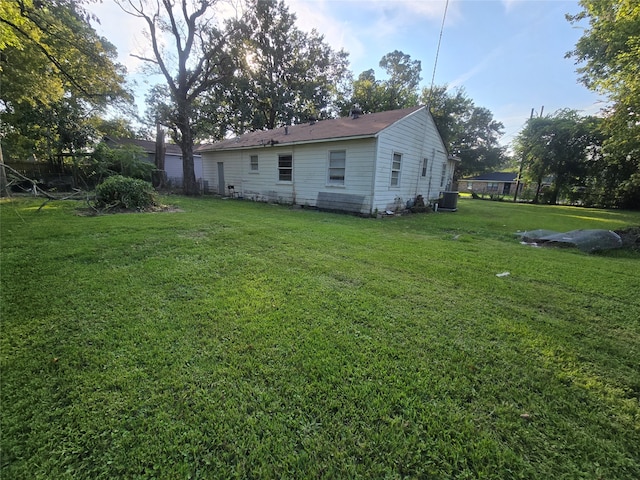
{"points": [[244, 340]]}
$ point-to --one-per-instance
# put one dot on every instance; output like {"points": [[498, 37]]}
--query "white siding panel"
{"points": [[173, 167], [415, 137], [310, 169], [367, 183]]}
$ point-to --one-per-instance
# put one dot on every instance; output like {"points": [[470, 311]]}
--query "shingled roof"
{"points": [[147, 145], [362, 126]]}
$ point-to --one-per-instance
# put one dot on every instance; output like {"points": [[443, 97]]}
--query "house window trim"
{"points": [[444, 175], [398, 183], [279, 180], [257, 164], [329, 182], [425, 165]]}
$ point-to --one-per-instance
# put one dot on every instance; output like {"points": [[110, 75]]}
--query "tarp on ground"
{"points": [[586, 240]]}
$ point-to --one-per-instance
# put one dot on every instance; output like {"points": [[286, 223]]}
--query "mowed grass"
{"points": [[243, 340]]}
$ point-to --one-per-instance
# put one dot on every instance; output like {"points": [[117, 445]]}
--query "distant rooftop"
{"points": [[147, 145], [494, 177]]}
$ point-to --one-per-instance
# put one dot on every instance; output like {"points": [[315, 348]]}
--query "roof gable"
{"points": [[333, 129]]}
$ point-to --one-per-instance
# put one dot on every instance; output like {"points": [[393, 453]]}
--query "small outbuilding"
{"points": [[360, 163]]}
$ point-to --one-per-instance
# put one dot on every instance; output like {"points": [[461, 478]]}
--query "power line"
{"points": [[435, 63]]}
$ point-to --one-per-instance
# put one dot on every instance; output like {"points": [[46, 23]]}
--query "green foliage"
{"points": [[609, 55], [118, 192], [55, 51], [468, 131], [565, 147], [191, 345], [118, 127], [283, 75], [125, 160], [400, 90], [57, 75]]}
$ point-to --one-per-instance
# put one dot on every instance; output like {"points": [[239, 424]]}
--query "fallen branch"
{"points": [[76, 191], [37, 190]]}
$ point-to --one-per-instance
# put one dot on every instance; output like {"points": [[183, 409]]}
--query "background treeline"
{"points": [[63, 91]]}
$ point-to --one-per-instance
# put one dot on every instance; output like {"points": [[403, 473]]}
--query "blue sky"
{"points": [[508, 55]]}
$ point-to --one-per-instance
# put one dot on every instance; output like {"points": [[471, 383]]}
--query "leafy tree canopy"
{"points": [[283, 75], [399, 90], [609, 57], [57, 74], [468, 131], [563, 146]]}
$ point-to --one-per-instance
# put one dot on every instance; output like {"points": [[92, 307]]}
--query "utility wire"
{"points": [[435, 63]]}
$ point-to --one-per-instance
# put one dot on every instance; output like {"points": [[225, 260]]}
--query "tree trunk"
{"points": [[536, 199], [159, 177], [4, 185], [189, 184]]}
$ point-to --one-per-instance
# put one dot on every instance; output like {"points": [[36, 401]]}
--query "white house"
{"points": [[172, 157], [360, 163]]}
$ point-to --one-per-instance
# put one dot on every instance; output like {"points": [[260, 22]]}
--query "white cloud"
{"points": [[122, 30], [374, 22]]}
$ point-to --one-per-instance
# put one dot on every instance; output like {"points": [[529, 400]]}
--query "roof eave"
{"points": [[285, 144]]}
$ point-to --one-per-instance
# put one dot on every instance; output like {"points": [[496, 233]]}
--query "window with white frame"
{"points": [[395, 169], [253, 163], [285, 168], [443, 177], [337, 167], [424, 166]]}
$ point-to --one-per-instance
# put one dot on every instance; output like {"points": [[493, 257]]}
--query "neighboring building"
{"points": [[172, 158], [498, 183], [360, 163]]}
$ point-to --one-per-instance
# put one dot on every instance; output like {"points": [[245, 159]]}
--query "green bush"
{"points": [[125, 192]]}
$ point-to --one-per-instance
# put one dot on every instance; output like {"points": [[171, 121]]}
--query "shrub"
{"points": [[124, 192]]}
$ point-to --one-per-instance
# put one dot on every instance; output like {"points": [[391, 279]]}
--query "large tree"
{"points": [[57, 74], [468, 131], [188, 50], [564, 147], [609, 57], [399, 90], [284, 75]]}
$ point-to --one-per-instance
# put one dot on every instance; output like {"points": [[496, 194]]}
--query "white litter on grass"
{"points": [[503, 274]]}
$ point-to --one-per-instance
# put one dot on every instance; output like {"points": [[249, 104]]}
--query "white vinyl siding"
{"points": [[443, 177], [395, 169], [416, 137], [368, 164], [337, 167]]}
